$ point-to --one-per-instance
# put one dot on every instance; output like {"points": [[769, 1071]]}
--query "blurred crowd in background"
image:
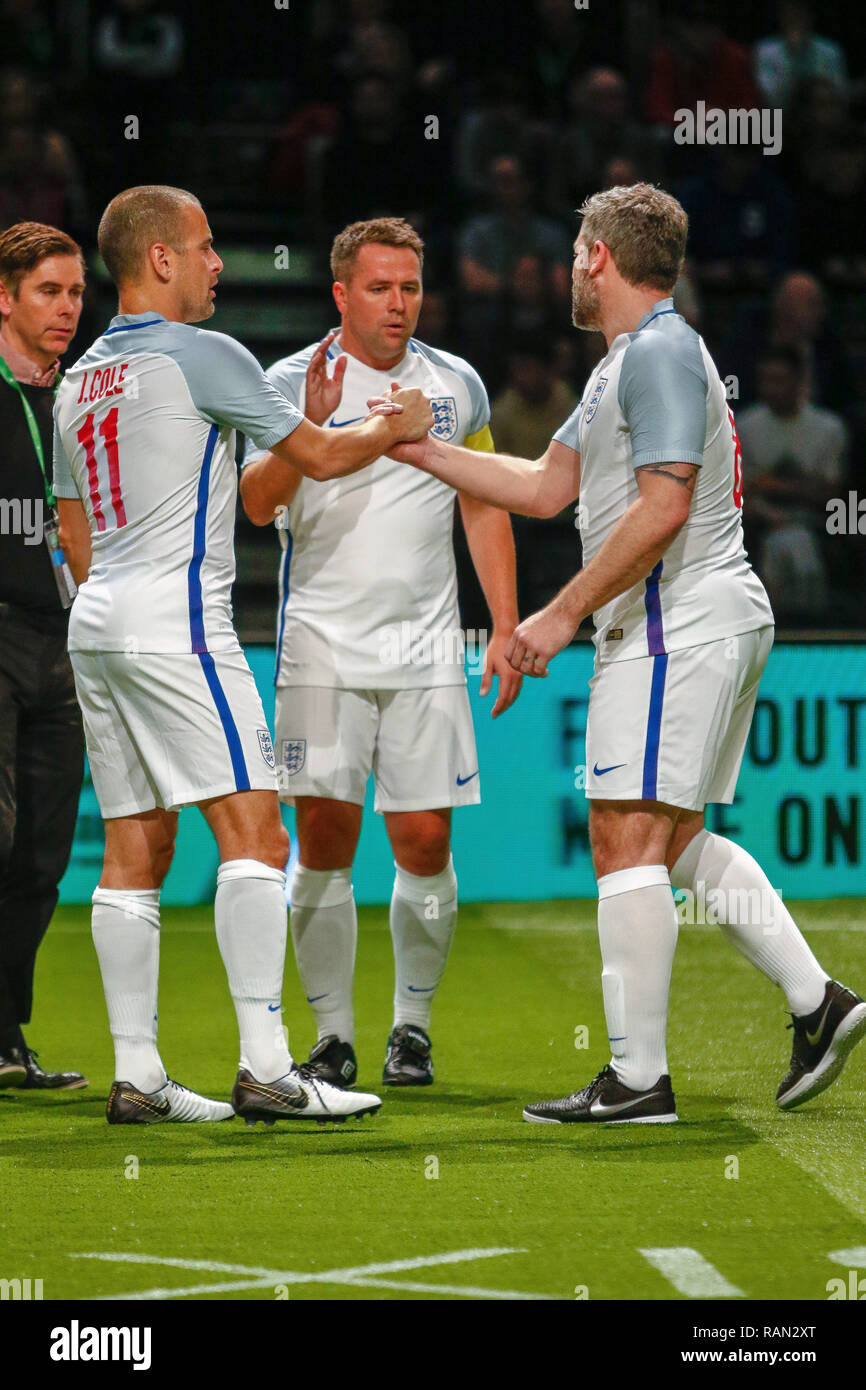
{"points": [[486, 123]]}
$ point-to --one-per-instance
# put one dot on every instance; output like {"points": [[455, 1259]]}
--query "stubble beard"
{"points": [[585, 305]]}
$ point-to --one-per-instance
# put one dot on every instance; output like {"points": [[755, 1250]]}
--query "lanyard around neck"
{"points": [[7, 375]]}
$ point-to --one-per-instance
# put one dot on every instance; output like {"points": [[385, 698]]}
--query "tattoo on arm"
{"points": [[683, 473]]}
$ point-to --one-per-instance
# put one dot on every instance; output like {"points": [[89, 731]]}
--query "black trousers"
{"points": [[41, 768]]}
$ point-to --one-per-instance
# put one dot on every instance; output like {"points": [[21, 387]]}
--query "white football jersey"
{"points": [[367, 580], [657, 398], [144, 434]]}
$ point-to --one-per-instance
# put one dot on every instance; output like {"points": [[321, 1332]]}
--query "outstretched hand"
{"points": [[324, 392]]}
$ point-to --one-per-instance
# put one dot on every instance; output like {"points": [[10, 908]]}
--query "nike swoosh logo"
{"points": [[273, 1008], [600, 771], [599, 1109], [814, 1038], [315, 997], [461, 781], [338, 424], [419, 989]]}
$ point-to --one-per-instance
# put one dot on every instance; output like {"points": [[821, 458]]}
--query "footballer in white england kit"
{"points": [[683, 632], [370, 671], [683, 649], [145, 436]]}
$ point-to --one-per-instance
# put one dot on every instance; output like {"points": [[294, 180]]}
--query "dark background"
{"points": [[288, 123]]}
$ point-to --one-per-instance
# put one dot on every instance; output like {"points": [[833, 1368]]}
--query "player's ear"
{"points": [[159, 258], [338, 290], [598, 256]]}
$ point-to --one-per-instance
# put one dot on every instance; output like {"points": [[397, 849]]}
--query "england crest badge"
{"points": [[266, 746], [293, 754], [444, 417], [597, 393]]}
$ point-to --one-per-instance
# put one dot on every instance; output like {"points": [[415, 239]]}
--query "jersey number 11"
{"points": [[108, 432]]}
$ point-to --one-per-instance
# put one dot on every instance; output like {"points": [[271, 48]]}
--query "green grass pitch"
{"points": [[359, 1212]]}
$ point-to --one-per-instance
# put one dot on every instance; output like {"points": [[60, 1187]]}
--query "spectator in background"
{"points": [[564, 42], [436, 320], [575, 357], [619, 172], [514, 266], [697, 62], [523, 420], [535, 402], [793, 462], [740, 216], [380, 163], [28, 34], [497, 124], [795, 55], [819, 119], [135, 44], [138, 55], [833, 243], [371, 43], [39, 175], [797, 317], [599, 133]]}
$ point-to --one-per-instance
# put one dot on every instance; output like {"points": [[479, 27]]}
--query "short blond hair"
{"points": [[645, 230], [379, 231], [136, 220]]}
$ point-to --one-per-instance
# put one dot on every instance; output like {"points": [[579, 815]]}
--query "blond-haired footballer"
{"points": [[683, 631]]}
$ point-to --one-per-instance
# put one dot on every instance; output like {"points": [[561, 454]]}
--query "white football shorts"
{"points": [[418, 743], [673, 727], [170, 730]]}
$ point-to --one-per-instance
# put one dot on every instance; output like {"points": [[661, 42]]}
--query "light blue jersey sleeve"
{"points": [[287, 376], [663, 396], [228, 387], [479, 403], [569, 432], [62, 480]]}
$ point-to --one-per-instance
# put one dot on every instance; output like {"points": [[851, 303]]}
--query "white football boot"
{"points": [[299, 1095], [170, 1104]]}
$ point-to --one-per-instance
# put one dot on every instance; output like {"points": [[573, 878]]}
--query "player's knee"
{"points": [[327, 835], [274, 849], [425, 852]]}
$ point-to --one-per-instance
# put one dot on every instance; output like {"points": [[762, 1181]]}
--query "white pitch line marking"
{"points": [[357, 1276], [422, 1262], [690, 1273], [855, 1258]]}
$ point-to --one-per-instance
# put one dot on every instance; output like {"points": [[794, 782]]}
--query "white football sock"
{"points": [[637, 931], [250, 917], [325, 933], [771, 939], [125, 927], [423, 917]]}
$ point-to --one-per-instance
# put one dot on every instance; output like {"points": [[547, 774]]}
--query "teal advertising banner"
{"points": [[799, 807]]}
